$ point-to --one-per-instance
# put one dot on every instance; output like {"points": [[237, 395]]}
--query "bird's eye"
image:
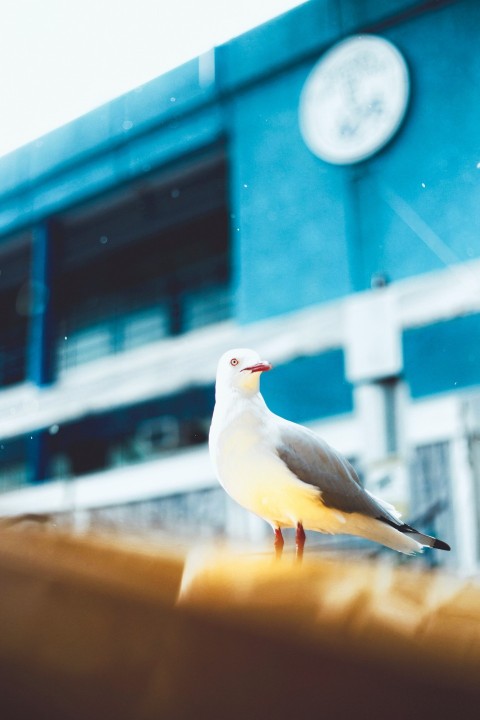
{"points": [[234, 362]]}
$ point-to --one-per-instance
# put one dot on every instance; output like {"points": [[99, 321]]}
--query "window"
{"points": [[148, 265], [15, 308]]}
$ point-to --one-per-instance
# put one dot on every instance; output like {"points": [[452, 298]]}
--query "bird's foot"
{"points": [[278, 543], [299, 542]]}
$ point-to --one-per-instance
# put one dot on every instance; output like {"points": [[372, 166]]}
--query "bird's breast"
{"points": [[252, 473], [239, 447]]}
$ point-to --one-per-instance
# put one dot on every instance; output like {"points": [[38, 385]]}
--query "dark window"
{"points": [[14, 466], [129, 435], [116, 438], [154, 264], [15, 308]]}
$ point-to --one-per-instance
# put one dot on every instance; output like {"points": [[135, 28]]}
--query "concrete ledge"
{"points": [[89, 628]]}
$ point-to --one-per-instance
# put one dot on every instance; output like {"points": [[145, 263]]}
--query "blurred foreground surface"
{"points": [[92, 627]]}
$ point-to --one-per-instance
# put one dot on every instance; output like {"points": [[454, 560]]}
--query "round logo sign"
{"points": [[354, 99]]}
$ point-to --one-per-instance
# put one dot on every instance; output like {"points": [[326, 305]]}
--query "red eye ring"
{"points": [[233, 362]]}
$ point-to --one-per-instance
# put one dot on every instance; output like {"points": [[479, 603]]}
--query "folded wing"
{"points": [[314, 462]]}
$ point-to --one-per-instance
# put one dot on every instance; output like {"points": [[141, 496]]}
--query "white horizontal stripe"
{"points": [[182, 472], [170, 365]]}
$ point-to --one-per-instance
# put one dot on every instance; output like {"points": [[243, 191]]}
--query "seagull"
{"points": [[286, 474]]}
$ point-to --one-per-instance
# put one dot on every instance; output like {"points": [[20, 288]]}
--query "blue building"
{"points": [[309, 189]]}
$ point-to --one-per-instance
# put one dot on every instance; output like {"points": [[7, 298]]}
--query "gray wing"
{"points": [[314, 462]]}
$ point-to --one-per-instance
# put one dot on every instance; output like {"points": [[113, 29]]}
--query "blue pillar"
{"points": [[41, 335]]}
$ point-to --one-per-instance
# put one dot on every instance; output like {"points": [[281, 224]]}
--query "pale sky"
{"points": [[61, 58]]}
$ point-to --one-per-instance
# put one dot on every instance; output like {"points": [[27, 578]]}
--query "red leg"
{"points": [[278, 543], [300, 541]]}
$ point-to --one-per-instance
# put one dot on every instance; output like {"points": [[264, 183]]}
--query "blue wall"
{"points": [[309, 387], [442, 357], [437, 146], [290, 243], [306, 231]]}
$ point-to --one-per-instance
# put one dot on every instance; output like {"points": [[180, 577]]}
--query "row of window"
{"points": [[111, 439], [117, 274]]}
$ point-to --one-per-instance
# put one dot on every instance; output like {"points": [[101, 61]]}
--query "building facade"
{"points": [[191, 215]]}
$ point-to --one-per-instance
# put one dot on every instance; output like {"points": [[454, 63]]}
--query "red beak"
{"points": [[259, 367]]}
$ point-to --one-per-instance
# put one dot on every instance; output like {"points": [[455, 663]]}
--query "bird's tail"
{"points": [[392, 518], [421, 538], [391, 533]]}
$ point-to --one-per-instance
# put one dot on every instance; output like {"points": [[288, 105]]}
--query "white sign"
{"points": [[354, 100]]}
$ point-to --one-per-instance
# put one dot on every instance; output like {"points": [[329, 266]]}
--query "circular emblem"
{"points": [[354, 99]]}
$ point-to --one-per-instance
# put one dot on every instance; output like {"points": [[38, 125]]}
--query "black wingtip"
{"points": [[440, 545], [408, 529]]}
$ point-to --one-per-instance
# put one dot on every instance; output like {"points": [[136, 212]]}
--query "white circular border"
{"points": [[322, 90]]}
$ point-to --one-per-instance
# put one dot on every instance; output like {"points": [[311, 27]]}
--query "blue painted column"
{"points": [[41, 334]]}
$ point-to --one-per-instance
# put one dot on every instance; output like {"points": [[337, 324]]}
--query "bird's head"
{"points": [[240, 369]]}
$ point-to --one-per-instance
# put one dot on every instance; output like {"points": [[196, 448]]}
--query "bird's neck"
{"points": [[235, 412], [246, 391], [236, 400]]}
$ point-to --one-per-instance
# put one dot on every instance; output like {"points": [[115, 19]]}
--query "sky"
{"points": [[61, 58]]}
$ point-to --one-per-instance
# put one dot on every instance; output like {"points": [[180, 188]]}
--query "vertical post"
{"points": [[41, 333], [464, 504], [42, 305]]}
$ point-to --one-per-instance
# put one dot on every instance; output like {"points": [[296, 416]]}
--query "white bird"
{"points": [[286, 474]]}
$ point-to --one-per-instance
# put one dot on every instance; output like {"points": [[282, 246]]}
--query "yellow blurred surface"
{"points": [[95, 627]]}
